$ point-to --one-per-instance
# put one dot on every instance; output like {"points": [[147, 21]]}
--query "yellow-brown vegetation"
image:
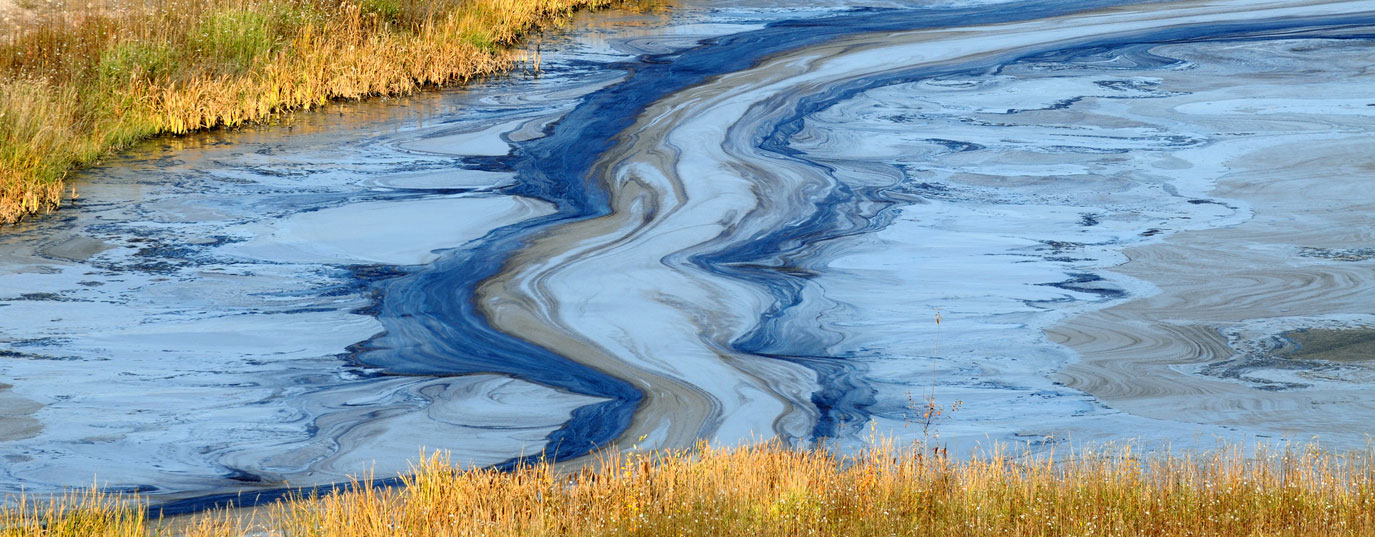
{"points": [[80, 79], [771, 490]]}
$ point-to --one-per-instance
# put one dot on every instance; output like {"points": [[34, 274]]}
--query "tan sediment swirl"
{"points": [[1136, 356], [16, 416]]}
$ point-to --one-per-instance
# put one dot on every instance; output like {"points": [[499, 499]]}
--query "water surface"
{"points": [[732, 222]]}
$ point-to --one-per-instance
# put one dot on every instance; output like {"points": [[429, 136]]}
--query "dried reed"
{"points": [[771, 490]]}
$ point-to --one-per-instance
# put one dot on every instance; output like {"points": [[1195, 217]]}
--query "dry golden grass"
{"points": [[769, 490], [81, 79]]}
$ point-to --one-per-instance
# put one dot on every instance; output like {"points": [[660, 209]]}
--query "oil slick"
{"points": [[1116, 209]]}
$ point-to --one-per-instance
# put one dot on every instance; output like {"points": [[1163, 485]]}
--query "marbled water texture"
{"points": [[1086, 221]]}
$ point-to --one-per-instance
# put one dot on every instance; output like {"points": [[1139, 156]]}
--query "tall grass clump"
{"points": [[772, 490], [88, 513], [80, 79]]}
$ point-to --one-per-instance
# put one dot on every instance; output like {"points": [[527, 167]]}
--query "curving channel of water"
{"points": [[737, 221]]}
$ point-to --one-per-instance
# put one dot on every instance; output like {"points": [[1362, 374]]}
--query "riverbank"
{"points": [[80, 81], [769, 490]]}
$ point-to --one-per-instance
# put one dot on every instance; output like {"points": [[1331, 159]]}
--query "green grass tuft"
{"points": [[234, 37]]}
